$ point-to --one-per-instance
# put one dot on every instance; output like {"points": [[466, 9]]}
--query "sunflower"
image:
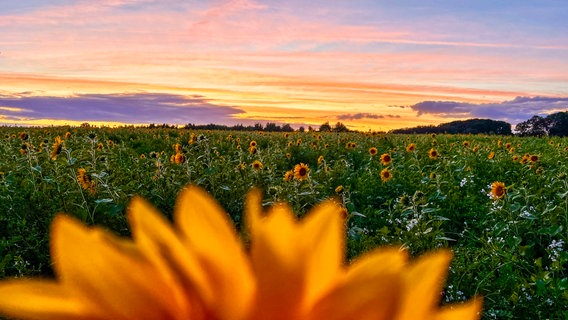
{"points": [[252, 150], [339, 189], [386, 159], [301, 171], [289, 175], [198, 268], [433, 154], [465, 143], [252, 144], [256, 165], [56, 148], [320, 159], [386, 175], [373, 151], [67, 135], [497, 190], [533, 158], [411, 147], [85, 180], [178, 158], [491, 155]]}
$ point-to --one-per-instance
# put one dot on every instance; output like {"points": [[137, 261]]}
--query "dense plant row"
{"points": [[500, 202]]}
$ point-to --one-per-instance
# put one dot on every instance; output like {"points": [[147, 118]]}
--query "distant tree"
{"points": [[535, 126], [301, 129], [272, 127], [325, 127], [340, 127], [473, 126], [558, 124], [287, 128], [85, 125]]}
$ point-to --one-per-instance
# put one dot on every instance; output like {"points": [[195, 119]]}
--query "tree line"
{"points": [[555, 124]]}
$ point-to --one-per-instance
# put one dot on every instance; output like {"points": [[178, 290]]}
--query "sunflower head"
{"points": [[373, 151], [179, 158], [411, 147], [386, 159], [533, 158], [491, 155], [289, 175], [433, 154], [256, 165], [498, 190], [301, 171], [386, 175]]}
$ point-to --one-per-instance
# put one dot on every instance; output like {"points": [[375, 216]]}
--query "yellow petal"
{"points": [[206, 229], [278, 264], [322, 236], [175, 262], [38, 299], [470, 310], [370, 289], [424, 282], [107, 275]]}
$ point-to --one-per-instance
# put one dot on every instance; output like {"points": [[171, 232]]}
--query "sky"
{"points": [[370, 64]]}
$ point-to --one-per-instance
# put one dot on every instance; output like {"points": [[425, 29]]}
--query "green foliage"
{"points": [[512, 250]]}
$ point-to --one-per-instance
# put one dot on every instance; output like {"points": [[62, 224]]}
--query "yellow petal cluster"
{"points": [[198, 268]]}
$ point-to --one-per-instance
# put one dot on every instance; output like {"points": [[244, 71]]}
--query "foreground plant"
{"points": [[199, 269]]}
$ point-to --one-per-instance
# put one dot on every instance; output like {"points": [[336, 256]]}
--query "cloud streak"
{"points": [[512, 111], [131, 108], [362, 115]]}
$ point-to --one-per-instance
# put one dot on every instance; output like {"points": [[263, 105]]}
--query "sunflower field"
{"points": [[500, 203]]}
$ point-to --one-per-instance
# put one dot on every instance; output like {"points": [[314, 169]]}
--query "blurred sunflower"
{"points": [[301, 171], [373, 151], [491, 155], [199, 269]]}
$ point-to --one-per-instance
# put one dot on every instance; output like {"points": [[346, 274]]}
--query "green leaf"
{"points": [[551, 231]]}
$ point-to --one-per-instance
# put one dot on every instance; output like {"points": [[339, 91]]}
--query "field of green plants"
{"points": [[499, 202]]}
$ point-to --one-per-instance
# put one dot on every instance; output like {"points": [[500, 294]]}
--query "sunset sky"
{"points": [[370, 64]]}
